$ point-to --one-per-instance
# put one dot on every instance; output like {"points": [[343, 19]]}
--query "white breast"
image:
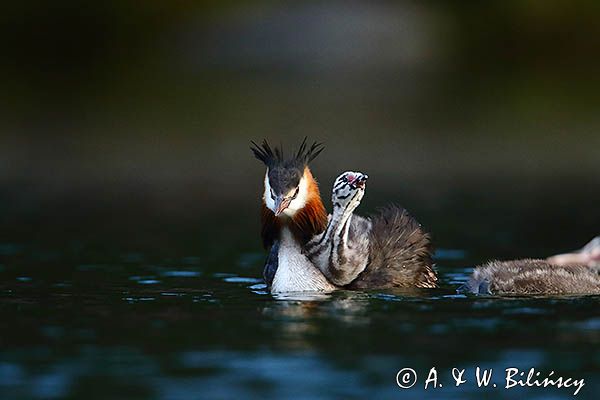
{"points": [[295, 272]]}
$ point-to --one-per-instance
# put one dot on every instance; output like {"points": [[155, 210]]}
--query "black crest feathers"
{"points": [[272, 156], [265, 154]]}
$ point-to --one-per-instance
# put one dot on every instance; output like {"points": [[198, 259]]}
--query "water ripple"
{"points": [[181, 274]]}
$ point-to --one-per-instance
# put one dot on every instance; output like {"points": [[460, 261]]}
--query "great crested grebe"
{"points": [[385, 251], [572, 273], [389, 251], [292, 214]]}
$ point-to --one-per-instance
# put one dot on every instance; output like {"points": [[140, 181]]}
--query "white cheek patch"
{"points": [[300, 201], [269, 202]]}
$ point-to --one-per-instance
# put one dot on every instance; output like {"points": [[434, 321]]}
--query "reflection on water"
{"points": [[135, 327]]}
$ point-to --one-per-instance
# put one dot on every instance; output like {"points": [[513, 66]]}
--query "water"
{"points": [[171, 316]]}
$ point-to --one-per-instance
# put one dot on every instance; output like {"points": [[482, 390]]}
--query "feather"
{"points": [[274, 156], [400, 253], [306, 223], [530, 276], [265, 154]]}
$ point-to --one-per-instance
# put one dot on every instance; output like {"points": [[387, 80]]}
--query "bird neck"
{"points": [[339, 223], [307, 222]]}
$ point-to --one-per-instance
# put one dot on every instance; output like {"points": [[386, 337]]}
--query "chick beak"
{"points": [[281, 203], [360, 181]]}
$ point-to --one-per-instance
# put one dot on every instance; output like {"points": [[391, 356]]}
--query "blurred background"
{"points": [[130, 258], [119, 110]]}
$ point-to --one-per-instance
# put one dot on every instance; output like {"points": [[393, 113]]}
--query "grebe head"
{"points": [[288, 183], [348, 189]]}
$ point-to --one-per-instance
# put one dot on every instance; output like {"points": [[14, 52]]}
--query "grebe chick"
{"points": [[292, 213], [574, 273], [342, 251], [389, 250]]}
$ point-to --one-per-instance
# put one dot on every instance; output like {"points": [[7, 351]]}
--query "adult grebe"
{"points": [[292, 214]]}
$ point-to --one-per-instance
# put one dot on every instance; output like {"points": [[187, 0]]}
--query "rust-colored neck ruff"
{"points": [[306, 223]]}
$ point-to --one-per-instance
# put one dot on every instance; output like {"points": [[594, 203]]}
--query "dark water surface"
{"points": [[83, 319]]}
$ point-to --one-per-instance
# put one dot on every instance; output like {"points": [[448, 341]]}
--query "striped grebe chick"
{"points": [[575, 273], [292, 214], [342, 251], [385, 251]]}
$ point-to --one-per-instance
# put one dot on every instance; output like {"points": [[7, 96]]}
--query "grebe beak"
{"points": [[360, 181], [281, 203]]}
